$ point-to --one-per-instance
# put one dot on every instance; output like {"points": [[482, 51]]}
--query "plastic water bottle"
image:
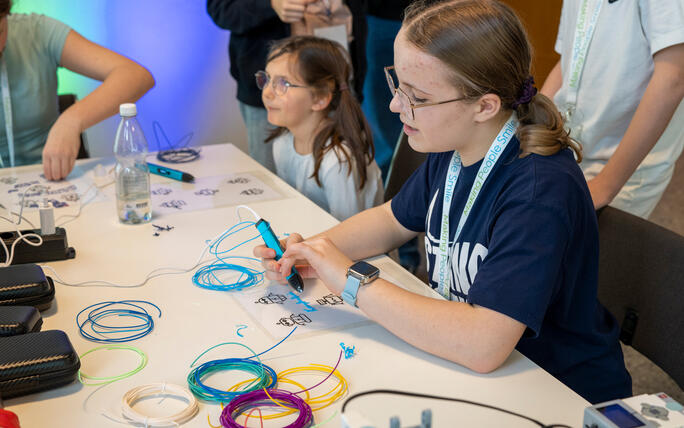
{"points": [[132, 172]]}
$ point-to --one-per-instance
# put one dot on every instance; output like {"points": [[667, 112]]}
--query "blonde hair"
{"points": [[486, 48]]}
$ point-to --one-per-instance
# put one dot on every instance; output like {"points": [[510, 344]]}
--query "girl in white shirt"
{"points": [[323, 145]]}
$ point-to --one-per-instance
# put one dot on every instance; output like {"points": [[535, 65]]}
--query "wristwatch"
{"points": [[357, 274]]}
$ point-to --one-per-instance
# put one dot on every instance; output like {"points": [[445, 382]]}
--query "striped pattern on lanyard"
{"points": [[443, 259], [7, 107], [584, 31]]}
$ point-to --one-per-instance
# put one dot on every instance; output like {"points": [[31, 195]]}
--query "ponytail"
{"points": [[542, 130]]}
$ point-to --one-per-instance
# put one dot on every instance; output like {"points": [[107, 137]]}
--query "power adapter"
{"points": [[54, 247]]}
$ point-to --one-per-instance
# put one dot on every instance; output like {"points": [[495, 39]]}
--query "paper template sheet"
{"points": [[58, 194], [209, 192], [278, 308]]}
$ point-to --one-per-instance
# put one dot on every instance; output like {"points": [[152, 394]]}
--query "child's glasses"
{"points": [[279, 83], [404, 99]]}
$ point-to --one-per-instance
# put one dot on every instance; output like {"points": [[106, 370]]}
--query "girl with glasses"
{"points": [[510, 231], [323, 146]]}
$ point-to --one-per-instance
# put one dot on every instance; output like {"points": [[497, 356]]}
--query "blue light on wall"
{"points": [[180, 45]]}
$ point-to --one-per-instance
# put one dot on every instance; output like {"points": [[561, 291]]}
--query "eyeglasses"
{"points": [[394, 88], [279, 83]]}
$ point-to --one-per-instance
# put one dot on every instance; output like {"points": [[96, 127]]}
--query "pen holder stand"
{"points": [[54, 247]]}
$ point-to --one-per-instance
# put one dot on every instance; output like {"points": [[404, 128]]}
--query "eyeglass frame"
{"points": [[394, 88], [288, 84]]}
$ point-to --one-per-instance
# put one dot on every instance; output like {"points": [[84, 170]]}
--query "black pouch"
{"points": [[26, 285], [36, 362], [19, 320]]}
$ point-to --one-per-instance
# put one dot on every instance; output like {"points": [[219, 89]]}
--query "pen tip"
{"points": [[296, 282]]}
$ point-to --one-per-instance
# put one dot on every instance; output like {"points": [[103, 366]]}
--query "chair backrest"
{"points": [[65, 101], [405, 160], [641, 282]]}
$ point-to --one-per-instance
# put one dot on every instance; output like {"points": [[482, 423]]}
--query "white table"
{"points": [[194, 319]]}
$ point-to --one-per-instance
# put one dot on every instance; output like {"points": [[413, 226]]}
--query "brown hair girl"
{"points": [[324, 67]]}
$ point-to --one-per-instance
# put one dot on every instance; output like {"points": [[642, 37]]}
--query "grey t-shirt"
{"points": [[339, 194], [32, 53]]}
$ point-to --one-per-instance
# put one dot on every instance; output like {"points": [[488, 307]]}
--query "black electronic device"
{"points": [[54, 247], [26, 285], [35, 362], [19, 320]]}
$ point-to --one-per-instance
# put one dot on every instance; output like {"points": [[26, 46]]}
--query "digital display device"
{"points": [[620, 416]]}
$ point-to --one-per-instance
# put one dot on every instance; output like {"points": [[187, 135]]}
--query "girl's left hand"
{"points": [[324, 257]]}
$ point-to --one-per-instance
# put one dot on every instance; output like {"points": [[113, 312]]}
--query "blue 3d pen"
{"points": [[272, 242]]}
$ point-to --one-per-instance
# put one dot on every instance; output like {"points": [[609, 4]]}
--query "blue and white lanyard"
{"points": [[584, 31], [7, 107], [443, 259]]}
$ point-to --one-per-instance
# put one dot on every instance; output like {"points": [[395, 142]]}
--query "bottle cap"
{"points": [[128, 110]]}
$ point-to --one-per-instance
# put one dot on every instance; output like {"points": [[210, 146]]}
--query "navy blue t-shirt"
{"points": [[529, 250]]}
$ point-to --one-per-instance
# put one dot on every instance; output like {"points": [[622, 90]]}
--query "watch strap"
{"points": [[351, 289]]}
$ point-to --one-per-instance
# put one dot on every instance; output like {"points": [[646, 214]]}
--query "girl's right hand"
{"points": [[272, 267]]}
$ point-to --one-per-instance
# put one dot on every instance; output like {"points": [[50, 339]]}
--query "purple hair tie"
{"points": [[528, 92]]}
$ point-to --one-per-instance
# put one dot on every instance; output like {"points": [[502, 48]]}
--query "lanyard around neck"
{"points": [[443, 259], [584, 31], [7, 107]]}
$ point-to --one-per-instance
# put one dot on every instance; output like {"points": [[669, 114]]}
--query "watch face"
{"points": [[364, 269]]}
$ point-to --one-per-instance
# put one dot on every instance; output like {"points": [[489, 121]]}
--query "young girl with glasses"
{"points": [[323, 146], [510, 231]]}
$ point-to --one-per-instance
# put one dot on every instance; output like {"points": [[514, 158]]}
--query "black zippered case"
{"points": [[35, 362], [26, 285], [19, 320]]}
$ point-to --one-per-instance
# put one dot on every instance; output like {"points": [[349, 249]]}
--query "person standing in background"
{"points": [[253, 25], [619, 93], [32, 129], [384, 22]]}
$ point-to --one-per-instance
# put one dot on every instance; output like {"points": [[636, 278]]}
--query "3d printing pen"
{"points": [[272, 242]]}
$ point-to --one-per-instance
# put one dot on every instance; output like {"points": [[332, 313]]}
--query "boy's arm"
{"points": [[553, 81], [662, 97]]}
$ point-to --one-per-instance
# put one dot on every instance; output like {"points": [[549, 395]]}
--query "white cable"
{"points": [[80, 206], [155, 273], [9, 220], [237, 212], [9, 253], [158, 389]]}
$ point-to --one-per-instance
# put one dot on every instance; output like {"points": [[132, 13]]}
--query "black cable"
{"points": [[458, 400], [183, 155]]}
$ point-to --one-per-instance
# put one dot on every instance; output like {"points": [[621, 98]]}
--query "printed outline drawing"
{"points": [[331, 299], [238, 180], [207, 192], [298, 319], [161, 191], [272, 298], [174, 203], [252, 191]]}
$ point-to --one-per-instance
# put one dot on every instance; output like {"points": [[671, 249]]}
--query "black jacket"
{"points": [[388, 9], [253, 25]]}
